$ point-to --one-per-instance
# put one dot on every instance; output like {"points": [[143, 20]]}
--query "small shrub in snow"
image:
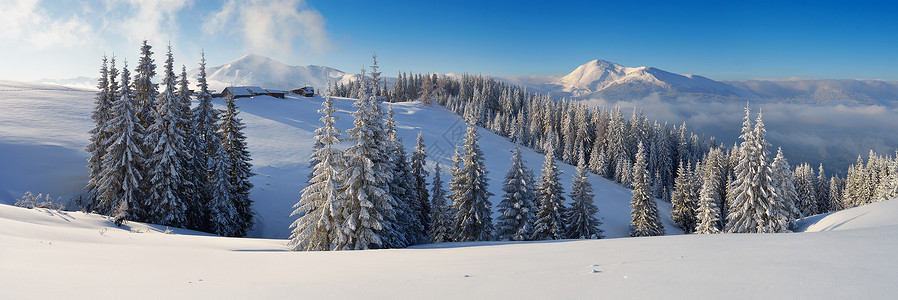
{"points": [[30, 201]]}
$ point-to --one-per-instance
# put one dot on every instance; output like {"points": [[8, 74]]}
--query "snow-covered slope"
{"points": [[879, 214], [43, 134], [258, 70], [49, 254]]}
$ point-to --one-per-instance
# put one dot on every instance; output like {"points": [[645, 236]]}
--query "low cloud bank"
{"points": [[815, 133]]}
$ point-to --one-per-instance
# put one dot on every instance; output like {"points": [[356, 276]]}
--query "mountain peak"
{"points": [[252, 59], [593, 75], [260, 70]]}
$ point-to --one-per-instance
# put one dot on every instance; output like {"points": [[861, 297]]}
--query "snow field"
{"points": [[50, 254], [46, 254]]}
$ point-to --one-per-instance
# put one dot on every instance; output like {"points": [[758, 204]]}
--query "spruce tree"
{"points": [[754, 197], [644, 217], [105, 205], [707, 213], [550, 211], [597, 160], [222, 216], [146, 90], [418, 162], [786, 196], [319, 208], [233, 142], [683, 200], [409, 228], [821, 187], [169, 184], [368, 211], [516, 210], [195, 193], [804, 187], [206, 148], [836, 186], [120, 180], [440, 214], [470, 194], [581, 220], [100, 115]]}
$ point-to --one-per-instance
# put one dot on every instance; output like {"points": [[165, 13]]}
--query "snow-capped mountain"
{"points": [[607, 80], [258, 70], [604, 79], [599, 79]]}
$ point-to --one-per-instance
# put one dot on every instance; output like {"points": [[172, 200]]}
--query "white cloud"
{"points": [[27, 22], [153, 20], [271, 26], [832, 134]]}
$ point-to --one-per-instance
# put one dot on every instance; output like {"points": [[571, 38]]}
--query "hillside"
{"points": [[45, 253], [279, 136]]}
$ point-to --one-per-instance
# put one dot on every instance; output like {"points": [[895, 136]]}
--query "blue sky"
{"points": [[719, 39]]}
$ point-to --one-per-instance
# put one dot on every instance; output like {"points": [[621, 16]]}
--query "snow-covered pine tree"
{"points": [[100, 115], [516, 210], [222, 217], [821, 187], [470, 196], [836, 186], [550, 204], [754, 197], [707, 214], [786, 196], [106, 205], [169, 159], [854, 182], [194, 194], [581, 220], [715, 169], [597, 159], [683, 201], [616, 149], [657, 186], [319, 207], [804, 187], [682, 139], [120, 180], [368, 211], [645, 220], [419, 161], [440, 214], [145, 89], [568, 135], [207, 143], [233, 142], [409, 228]]}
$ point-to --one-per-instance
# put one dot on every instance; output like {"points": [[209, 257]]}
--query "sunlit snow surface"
{"points": [[49, 254], [44, 133]]}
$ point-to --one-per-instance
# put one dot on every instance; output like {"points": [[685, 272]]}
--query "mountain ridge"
{"points": [[601, 79], [596, 79]]}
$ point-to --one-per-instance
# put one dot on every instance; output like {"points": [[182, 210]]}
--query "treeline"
{"points": [[155, 159], [682, 168], [373, 195], [608, 140]]}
